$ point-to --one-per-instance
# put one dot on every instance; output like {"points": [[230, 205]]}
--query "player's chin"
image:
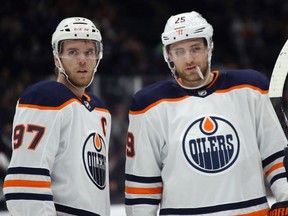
{"points": [[81, 83], [193, 77], [84, 83]]}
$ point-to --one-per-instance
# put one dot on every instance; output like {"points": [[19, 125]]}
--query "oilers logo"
{"points": [[94, 151], [211, 144]]}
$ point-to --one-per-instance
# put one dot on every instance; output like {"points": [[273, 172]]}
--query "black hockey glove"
{"points": [[279, 209]]}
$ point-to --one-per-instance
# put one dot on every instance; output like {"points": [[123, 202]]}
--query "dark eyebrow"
{"points": [[197, 44], [178, 48]]}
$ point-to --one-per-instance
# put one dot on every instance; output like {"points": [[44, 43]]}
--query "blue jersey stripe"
{"points": [[28, 196], [140, 201], [213, 209], [141, 179], [272, 158], [74, 211], [28, 171]]}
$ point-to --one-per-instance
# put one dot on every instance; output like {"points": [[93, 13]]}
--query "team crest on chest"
{"points": [[211, 144], [94, 159]]}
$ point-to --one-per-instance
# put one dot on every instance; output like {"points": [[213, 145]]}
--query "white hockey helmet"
{"points": [[190, 25], [76, 28]]}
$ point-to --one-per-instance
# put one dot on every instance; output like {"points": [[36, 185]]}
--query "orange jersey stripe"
{"points": [[102, 110], [49, 107], [156, 103], [184, 97], [133, 190], [27, 183], [258, 213], [59, 107], [242, 86], [274, 167]]}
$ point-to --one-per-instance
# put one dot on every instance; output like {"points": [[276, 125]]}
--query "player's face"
{"points": [[186, 55], [78, 59]]}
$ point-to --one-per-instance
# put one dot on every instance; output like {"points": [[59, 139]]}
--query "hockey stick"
{"points": [[278, 93], [279, 73], [277, 84]]}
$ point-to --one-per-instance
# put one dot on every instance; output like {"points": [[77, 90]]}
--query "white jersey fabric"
{"points": [[205, 151], [59, 164]]}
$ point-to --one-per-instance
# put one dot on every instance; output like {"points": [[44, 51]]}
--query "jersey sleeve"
{"points": [[272, 141], [143, 164], [35, 140]]}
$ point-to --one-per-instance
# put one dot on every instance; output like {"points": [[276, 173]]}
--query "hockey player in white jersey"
{"points": [[204, 142], [61, 134]]}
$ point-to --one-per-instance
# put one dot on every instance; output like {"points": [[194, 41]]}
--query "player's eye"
{"points": [[73, 53], [179, 53], [90, 54]]}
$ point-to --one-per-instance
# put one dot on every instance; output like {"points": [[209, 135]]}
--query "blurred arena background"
{"points": [[247, 34]]}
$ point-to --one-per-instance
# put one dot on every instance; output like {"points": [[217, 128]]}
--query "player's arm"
{"points": [[143, 185], [276, 94], [281, 208], [272, 144], [27, 186]]}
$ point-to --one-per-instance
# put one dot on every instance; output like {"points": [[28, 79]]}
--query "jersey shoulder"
{"points": [[46, 93], [249, 77], [55, 94], [162, 90]]}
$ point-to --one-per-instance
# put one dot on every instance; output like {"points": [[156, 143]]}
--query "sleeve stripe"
{"points": [[272, 158], [28, 171], [28, 196], [141, 179], [274, 167], [142, 201], [26, 183], [278, 176], [134, 190]]}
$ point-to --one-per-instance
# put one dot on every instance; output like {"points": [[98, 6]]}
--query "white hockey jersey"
{"points": [[59, 164], [205, 151]]}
